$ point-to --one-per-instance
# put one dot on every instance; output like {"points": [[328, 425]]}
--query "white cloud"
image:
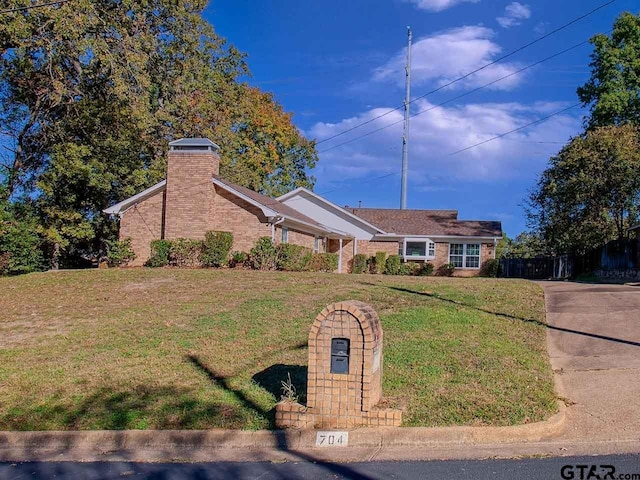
{"points": [[436, 134], [447, 55], [514, 14], [438, 5]]}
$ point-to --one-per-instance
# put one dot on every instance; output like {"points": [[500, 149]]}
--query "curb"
{"points": [[196, 445]]}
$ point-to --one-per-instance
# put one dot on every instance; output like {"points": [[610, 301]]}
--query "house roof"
{"points": [[122, 206], [304, 192], [427, 222], [272, 204]]}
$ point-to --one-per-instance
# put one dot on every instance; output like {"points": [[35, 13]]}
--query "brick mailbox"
{"points": [[345, 372]]}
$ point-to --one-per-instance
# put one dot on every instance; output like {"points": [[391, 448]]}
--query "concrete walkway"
{"points": [[594, 345]]}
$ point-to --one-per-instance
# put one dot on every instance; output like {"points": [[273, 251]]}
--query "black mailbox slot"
{"points": [[340, 355]]}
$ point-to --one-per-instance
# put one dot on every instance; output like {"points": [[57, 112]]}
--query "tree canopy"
{"points": [[613, 90], [91, 91], [589, 194]]}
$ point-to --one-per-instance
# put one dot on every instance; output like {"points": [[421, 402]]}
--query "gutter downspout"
{"points": [[273, 228]]}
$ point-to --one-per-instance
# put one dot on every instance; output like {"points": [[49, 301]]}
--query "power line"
{"points": [[30, 7], [515, 129], [457, 97], [467, 75]]}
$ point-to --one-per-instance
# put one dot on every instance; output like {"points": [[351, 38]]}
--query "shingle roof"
{"points": [[427, 222], [271, 203]]}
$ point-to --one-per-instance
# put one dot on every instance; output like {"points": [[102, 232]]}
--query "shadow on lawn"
{"points": [[139, 408], [509, 316]]}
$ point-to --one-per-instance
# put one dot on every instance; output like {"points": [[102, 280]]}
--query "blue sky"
{"points": [[334, 65]]}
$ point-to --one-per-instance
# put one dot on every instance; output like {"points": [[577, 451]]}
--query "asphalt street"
{"points": [[623, 467]]}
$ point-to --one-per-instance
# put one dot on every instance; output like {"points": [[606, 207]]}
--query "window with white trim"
{"points": [[285, 235], [419, 248], [464, 255], [316, 244]]}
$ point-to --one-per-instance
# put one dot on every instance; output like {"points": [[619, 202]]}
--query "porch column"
{"points": [[340, 255]]}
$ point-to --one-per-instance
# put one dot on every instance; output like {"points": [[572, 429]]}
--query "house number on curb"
{"points": [[332, 439]]}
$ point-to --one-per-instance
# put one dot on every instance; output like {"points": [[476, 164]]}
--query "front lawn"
{"points": [[198, 349]]}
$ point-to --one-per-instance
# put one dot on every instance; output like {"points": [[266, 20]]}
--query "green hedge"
{"points": [[185, 252], [323, 262], [159, 253], [490, 268], [292, 258], [359, 263], [380, 262], [446, 270], [263, 255], [426, 270], [216, 248], [392, 265], [119, 252]]}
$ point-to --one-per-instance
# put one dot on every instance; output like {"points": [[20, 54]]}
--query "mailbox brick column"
{"points": [[342, 400]]}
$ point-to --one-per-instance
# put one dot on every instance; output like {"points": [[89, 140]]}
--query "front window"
{"points": [[316, 244], [285, 235], [418, 249], [464, 255]]}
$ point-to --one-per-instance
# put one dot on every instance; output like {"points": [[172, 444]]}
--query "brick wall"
{"points": [[296, 237], [333, 246], [243, 220], [370, 248], [143, 223], [190, 193]]}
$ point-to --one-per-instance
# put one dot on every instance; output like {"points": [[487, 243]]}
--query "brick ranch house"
{"points": [[195, 199]]}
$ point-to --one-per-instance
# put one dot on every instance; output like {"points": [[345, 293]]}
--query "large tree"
{"points": [[613, 90], [91, 91], [589, 194]]}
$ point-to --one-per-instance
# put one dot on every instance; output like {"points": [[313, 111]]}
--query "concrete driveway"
{"points": [[594, 345]]}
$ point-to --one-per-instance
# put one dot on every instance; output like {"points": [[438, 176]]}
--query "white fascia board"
{"points": [[120, 208], [394, 236], [300, 191], [265, 210]]}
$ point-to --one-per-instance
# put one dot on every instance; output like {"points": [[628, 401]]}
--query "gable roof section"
{"points": [[303, 192], [427, 222], [125, 204], [272, 204]]}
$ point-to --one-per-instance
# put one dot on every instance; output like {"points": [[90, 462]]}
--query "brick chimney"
{"points": [[190, 192]]}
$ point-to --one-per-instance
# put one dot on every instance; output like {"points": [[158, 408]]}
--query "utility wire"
{"points": [[515, 129], [30, 7], [467, 75], [457, 97]]}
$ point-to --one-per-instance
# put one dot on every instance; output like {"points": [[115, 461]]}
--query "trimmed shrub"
{"points": [[323, 262], [216, 248], [263, 255], [119, 252], [292, 258], [159, 253], [411, 268], [380, 262], [20, 246], [185, 252], [238, 259], [426, 270], [359, 263], [446, 270], [490, 268], [392, 265]]}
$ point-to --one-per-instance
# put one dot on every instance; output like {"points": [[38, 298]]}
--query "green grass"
{"points": [[197, 349]]}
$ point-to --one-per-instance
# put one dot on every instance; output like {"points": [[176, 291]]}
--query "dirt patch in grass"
{"points": [[169, 348]]}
